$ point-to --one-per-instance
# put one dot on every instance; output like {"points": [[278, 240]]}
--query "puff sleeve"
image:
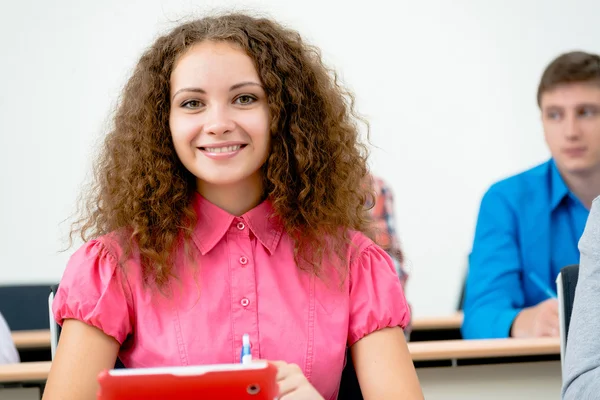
{"points": [[94, 290], [377, 300]]}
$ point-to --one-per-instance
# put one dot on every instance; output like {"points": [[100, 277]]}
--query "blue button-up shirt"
{"points": [[569, 216], [528, 224]]}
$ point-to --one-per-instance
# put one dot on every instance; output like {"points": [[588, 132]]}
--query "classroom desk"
{"points": [[453, 321], [31, 339], [437, 328], [492, 369], [532, 381], [490, 378], [474, 349], [25, 372], [32, 345]]}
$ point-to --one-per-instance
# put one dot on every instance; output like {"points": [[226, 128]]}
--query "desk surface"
{"points": [[453, 321], [464, 349], [25, 372], [31, 339], [420, 351]]}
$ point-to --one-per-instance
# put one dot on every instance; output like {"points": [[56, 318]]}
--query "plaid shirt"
{"points": [[384, 221]]}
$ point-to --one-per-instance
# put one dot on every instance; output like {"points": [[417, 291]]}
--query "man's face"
{"points": [[571, 120]]}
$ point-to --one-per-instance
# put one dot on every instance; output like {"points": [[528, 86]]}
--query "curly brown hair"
{"points": [[315, 174]]}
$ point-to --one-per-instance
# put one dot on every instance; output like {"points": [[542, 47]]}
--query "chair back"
{"points": [[24, 306], [566, 282]]}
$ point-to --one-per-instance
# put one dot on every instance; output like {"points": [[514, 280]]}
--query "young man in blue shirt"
{"points": [[529, 225]]}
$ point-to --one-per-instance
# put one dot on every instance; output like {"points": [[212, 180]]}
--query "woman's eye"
{"points": [[191, 104], [245, 100]]}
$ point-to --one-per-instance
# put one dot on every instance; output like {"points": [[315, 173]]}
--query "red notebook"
{"points": [[255, 381]]}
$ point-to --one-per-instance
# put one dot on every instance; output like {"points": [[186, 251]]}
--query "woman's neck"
{"points": [[236, 199]]}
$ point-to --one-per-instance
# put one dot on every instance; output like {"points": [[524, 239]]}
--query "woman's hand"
{"points": [[293, 385]]}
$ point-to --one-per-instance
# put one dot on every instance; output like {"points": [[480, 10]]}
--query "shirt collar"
{"points": [[213, 222], [558, 186]]}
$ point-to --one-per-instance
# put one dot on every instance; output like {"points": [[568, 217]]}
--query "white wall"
{"points": [[449, 88]]}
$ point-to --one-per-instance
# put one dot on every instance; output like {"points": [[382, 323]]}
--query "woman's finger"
{"points": [[284, 369], [290, 384]]}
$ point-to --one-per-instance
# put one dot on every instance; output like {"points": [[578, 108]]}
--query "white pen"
{"points": [[246, 357]]}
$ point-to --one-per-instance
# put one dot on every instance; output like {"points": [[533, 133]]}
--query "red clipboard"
{"points": [[255, 381]]}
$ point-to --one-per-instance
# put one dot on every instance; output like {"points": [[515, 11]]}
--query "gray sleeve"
{"points": [[581, 378], [8, 352]]}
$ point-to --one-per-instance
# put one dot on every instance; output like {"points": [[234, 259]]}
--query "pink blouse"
{"points": [[241, 279]]}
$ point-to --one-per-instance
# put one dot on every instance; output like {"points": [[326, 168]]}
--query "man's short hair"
{"points": [[572, 67]]}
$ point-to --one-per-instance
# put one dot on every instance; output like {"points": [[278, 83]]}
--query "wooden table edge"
{"points": [[36, 339]]}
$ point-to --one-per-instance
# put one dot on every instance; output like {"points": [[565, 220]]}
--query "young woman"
{"points": [[226, 203]]}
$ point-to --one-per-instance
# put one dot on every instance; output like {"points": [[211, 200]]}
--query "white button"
{"points": [[241, 226], [243, 260], [245, 302]]}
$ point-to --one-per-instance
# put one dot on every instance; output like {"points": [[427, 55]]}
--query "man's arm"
{"points": [[494, 291]]}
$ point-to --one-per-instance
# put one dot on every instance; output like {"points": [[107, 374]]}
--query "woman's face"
{"points": [[219, 118]]}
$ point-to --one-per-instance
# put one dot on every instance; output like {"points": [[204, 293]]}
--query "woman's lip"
{"points": [[221, 155], [224, 144]]}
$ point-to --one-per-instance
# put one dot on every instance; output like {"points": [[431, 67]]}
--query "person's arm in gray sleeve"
{"points": [[581, 378], [8, 351]]}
